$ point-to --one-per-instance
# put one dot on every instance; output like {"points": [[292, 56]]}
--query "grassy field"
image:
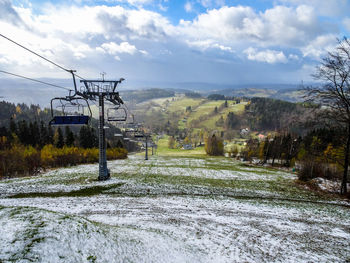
{"points": [[201, 108], [181, 103], [163, 150], [170, 209], [207, 109]]}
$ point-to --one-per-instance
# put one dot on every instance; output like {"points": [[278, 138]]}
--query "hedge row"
{"points": [[27, 160]]}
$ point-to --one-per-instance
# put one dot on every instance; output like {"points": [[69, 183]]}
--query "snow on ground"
{"points": [[33, 235], [326, 185], [129, 220], [214, 168]]}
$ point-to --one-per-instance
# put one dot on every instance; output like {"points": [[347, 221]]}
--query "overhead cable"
{"points": [[36, 80], [46, 59]]}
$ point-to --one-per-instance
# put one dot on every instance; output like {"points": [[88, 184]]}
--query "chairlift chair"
{"points": [[117, 114], [73, 111], [139, 135]]}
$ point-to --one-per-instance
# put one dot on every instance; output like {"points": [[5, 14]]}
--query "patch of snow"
{"points": [[151, 222], [215, 229], [326, 185]]}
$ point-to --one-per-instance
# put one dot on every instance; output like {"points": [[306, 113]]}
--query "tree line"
{"points": [[28, 144], [39, 134]]}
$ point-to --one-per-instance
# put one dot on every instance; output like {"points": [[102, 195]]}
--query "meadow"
{"points": [[170, 209]]}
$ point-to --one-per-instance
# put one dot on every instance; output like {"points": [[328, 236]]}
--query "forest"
{"points": [[28, 144]]}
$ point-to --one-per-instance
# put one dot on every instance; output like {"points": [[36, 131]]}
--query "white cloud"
{"points": [[280, 25], [205, 3], [8, 13], [323, 7], [211, 3], [115, 49], [208, 44], [268, 56], [320, 46], [346, 23], [112, 48], [188, 7], [82, 37], [293, 57], [220, 2], [139, 2], [68, 35], [162, 8]]}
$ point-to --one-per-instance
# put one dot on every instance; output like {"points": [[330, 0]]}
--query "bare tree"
{"points": [[334, 95]]}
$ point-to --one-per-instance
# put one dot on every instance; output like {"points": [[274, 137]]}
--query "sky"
{"points": [[231, 42]]}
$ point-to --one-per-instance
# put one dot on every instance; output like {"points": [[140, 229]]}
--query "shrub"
{"points": [[19, 159], [214, 146], [117, 153], [312, 169], [26, 160]]}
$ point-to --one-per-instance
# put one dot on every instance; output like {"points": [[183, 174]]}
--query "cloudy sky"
{"points": [[208, 41]]}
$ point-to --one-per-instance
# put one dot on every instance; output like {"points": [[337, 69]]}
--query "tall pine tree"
{"points": [[69, 136], [58, 138]]}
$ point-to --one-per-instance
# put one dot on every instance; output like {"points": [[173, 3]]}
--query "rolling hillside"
{"points": [[195, 113]]}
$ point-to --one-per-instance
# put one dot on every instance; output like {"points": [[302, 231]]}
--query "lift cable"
{"points": [[16, 43], [42, 82]]}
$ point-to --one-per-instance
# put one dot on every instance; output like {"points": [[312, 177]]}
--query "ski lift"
{"points": [[139, 135], [117, 114], [73, 111]]}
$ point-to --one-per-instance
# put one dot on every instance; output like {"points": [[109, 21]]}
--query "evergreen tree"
{"points": [[50, 135], [87, 137], [83, 137], [34, 134], [120, 144], [43, 135], [58, 138], [231, 121], [226, 104], [23, 133], [13, 127], [171, 142], [220, 122], [69, 136], [93, 137], [4, 132]]}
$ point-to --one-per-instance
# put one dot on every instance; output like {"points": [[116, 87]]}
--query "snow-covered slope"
{"points": [[169, 210]]}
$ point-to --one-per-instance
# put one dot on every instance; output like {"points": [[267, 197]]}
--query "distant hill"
{"points": [[146, 94], [21, 112], [290, 93], [24, 91]]}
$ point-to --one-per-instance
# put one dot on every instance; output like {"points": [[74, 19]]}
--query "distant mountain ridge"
{"points": [[23, 91]]}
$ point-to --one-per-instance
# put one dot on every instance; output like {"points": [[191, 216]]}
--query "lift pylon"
{"points": [[102, 90]]}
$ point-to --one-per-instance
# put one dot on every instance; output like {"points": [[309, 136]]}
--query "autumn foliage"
{"points": [[27, 160], [214, 146]]}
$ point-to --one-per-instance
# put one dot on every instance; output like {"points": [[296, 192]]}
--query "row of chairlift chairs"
{"points": [[75, 110]]}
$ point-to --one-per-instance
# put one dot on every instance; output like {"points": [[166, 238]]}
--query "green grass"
{"points": [[163, 150], [201, 108], [207, 108], [181, 103], [204, 109], [88, 191], [280, 188], [162, 101]]}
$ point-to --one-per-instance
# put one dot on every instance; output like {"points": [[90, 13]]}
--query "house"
{"points": [[261, 137], [245, 131], [187, 147]]}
